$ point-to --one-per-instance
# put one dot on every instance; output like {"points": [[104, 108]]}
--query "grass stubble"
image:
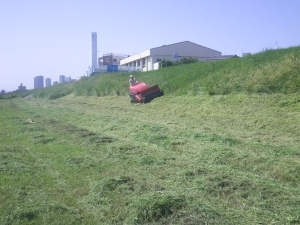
{"points": [[221, 147], [177, 160]]}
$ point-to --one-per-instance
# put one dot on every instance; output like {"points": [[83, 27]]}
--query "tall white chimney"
{"points": [[94, 50]]}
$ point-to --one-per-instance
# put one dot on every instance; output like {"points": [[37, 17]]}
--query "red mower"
{"points": [[142, 93]]}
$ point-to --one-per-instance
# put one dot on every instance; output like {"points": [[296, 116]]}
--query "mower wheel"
{"points": [[161, 93], [145, 100]]}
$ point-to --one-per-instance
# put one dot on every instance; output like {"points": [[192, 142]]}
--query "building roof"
{"points": [[167, 49], [183, 42]]}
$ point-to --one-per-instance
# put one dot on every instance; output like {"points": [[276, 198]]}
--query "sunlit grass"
{"points": [[270, 71], [226, 159], [221, 147]]}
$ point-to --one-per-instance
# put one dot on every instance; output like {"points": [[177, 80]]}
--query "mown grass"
{"points": [[221, 147], [227, 159]]}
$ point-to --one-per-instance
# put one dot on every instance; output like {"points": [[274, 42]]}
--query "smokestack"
{"points": [[94, 50]]}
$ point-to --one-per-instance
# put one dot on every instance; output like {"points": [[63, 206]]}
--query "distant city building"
{"points": [[2, 92], [68, 79], [55, 82], [246, 54], [48, 82], [111, 59], [38, 82], [62, 79], [22, 88]]}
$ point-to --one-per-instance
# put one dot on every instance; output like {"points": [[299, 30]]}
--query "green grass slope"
{"points": [[270, 71]]}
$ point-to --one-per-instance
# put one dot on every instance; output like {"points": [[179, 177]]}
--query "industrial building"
{"points": [[149, 59], [111, 59], [38, 82], [109, 62]]}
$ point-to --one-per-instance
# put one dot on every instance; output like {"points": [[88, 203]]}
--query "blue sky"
{"points": [[52, 37]]}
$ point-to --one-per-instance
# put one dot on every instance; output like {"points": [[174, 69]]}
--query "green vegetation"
{"points": [[214, 150], [15, 94], [271, 71], [180, 61], [54, 92]]}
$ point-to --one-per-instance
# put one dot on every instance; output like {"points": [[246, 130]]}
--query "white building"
{"points": [[149, 59]]}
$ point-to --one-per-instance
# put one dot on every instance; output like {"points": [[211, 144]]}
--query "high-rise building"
{"points": [[48, 82], [62, 79], [38, 82], [68, 79], [94, 50]]}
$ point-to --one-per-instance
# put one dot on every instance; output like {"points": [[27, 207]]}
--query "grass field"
{"points": [[177, 160], [199, 157]]}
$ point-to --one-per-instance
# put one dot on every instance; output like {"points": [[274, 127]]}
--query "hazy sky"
{"points": [[52, 37]]}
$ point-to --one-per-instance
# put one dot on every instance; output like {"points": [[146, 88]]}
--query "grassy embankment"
{"points": [[271, 71], [221, 147]]}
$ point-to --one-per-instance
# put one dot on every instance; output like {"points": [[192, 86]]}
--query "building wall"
{"points": [[135, 57], [22, 88], [48, 82], [117, 59], [111, 59], [185, 49], [147, 59], [61, 79], [68, 79], [38, 82], [105, 60], [156, 66]]}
